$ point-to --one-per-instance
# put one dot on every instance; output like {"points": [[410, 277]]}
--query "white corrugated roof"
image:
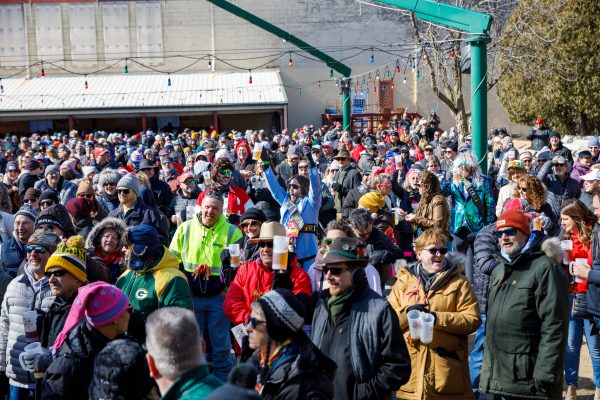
{"points": [[138, 91]]}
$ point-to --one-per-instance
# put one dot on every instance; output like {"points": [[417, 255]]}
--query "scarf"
{"points": [[109, 259], [336, 304]]}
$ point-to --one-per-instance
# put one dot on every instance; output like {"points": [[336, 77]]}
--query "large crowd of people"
{"points": [[314, 264]]}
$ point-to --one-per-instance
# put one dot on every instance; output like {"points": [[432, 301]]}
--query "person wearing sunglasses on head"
{"points": [[12, 251], [357, 328], [527, 314], [66, 190], [300, 205], [28, 291], [255, 278], [236, 200], [436, 285]]}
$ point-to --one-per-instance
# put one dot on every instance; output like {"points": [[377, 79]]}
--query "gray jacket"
{"points": [[67, 192], [20, 296]]}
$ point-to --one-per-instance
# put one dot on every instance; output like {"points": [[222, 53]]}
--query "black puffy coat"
{"points": [[70, 374], [54, 320], [141, 213], [162, 195], [308, 375], [486, 248], [351, 200]]}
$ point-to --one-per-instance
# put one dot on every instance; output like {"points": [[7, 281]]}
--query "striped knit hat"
{"points": [[284, 313], [70, 256]]}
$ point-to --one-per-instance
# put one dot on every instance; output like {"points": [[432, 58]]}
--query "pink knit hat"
{"points": [[100, 303]]}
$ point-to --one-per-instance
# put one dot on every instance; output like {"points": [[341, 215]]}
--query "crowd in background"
{"points": [[127, 245]]}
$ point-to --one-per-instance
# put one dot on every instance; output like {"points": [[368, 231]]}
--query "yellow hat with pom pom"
{"points": [[70, 256]]}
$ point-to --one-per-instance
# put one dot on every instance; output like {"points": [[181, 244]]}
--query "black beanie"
{"points": [[56, 215], [284, 313], [49, 194], [254, 213]]}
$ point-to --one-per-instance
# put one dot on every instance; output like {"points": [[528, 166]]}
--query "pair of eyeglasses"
{"points": [[28, 201], [146, 169], [249, 224], [252, 322], [334, 271], [123, 191], [38, 249], [46, 203], [436, 250], [53, 174], [507, 232], [110, 184], [226, 172], [448, 151], [266, 244], [293, 186], [190, 182], [56, 273], [541, 160], [86, 195]]}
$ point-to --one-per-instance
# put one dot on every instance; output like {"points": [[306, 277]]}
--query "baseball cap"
{"points": [[100, 152], [593, 175], [559, 160]]}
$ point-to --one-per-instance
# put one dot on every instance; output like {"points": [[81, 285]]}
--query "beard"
{"points": [[515, 250]]}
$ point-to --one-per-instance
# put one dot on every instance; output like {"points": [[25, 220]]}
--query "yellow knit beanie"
{"points": [[372, 201], [70, 256]]}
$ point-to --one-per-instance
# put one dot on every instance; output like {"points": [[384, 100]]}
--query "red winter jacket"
{"points": [[252, 281], [579, 251]]}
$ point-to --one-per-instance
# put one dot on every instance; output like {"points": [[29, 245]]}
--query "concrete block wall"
{"points": [[322, 23]]}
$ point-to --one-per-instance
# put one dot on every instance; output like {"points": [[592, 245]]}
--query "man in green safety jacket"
{"points": [[198, 244]]}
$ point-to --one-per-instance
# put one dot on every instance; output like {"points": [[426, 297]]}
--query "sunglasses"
{"points": [[30, 200], [86, 195], [559, 165], [523, 189], [123, 191], [507, 232], [38, 249], [293, 186], [190, 182], [46, 203], [334, 271], [245, 225], [448, 151], [110, 184], [58, 273], [266, 244], [252, 322], [434, 251], [226, 172]]}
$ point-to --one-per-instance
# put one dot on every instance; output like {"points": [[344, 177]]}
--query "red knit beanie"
{"points": [[514, 219]]}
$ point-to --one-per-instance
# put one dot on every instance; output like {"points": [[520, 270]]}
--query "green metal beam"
{"points": [[466, 20], [331, 62]]}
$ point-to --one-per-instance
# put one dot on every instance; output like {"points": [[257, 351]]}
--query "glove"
{"points": [[44, 361], [233, 219], [200, 179], [307, 151], [541, 386], [283, 279], [418, 307], [30, 360], [545, 222], [336, 186], [225, 259]]}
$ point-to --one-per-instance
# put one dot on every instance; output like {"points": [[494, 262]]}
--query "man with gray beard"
{"points": [[527, 314]]}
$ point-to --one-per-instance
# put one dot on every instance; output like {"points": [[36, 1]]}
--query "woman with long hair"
{"points": [[532, 190], [473, 204], [577, 223], [432, 211]]}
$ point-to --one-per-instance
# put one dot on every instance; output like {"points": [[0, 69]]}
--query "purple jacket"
{"points": [[578, 171]]}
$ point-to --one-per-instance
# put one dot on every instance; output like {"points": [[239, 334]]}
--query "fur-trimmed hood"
{"points": [[551, 247], [109, 222]]}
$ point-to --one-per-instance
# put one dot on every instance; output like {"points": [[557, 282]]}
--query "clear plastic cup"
{"points": [[280, 252], [427, 321], [30, 325], [566, 245], [414, 323], [234, 252], [257, 151], [398, 159], [207, 177]]}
